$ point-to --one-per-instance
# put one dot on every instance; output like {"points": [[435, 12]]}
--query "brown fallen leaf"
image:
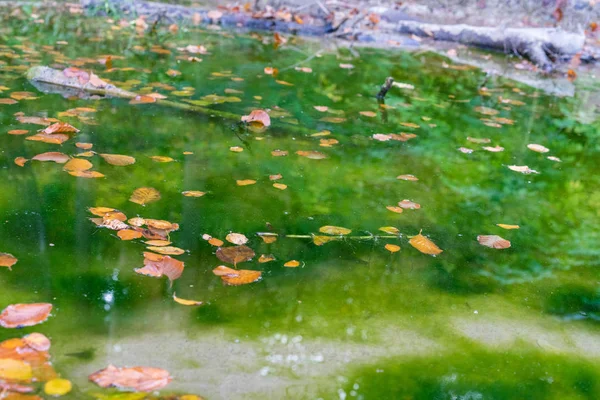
{"points": [[424, 245], [257, 116], [118, 159], [187, 302], [235, 254], [128, 234], [145, 195], [141, 379], [58, 158], [7, 260], [20, 315], [493, 241], [236, 277]]}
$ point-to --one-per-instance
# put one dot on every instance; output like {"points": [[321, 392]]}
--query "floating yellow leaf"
{"points": [[161, 159], [20, 161], [334, 230], [505, 226], [390, 229], [538, 148], [167, 250], [292, 264], [279, 153], [187, 302], [236, 238], [424, 245], [369, 114], [15, 370], [280, 186], [267, 237], [236, 149], [392, 248], [245, 182], [495, 149], [86, 174], [193, 193], [17, 132], [407, 177], [57, 387], [118, 159], [157, 243], [129, 234], [100, 211], [84, 146], [145, 195], [321, 240]]}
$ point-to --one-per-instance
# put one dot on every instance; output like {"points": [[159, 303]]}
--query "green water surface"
{"points": [[354, 320]]}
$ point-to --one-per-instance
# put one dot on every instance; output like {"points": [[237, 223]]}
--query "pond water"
{"points": [[353, 320]]}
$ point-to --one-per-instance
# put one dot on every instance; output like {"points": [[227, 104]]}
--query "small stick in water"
{"points": [[384, 88]]}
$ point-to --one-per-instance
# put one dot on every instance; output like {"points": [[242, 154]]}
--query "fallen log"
{"points": [[543, 46]]}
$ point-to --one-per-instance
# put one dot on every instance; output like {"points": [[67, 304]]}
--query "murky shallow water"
{"points": [[354, 320]]}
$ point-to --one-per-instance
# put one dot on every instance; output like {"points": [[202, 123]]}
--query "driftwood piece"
{"points": [[384, 88], [543, 46]]}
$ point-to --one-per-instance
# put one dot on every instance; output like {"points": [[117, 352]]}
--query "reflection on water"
{"points": [[354, 319]]}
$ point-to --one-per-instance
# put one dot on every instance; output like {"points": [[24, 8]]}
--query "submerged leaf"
{"points": [[118, 159], [145, 195], [538, 148], [313, 155], [156, 265], [321, 240], [20, 315], [524, 169], [235, 254], [424, 245], [86, 174], [493, 241]]}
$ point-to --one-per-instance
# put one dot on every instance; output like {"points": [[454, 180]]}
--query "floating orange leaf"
{"points": [[333, 120], [493, 241], [8, 101], [159, 243], [20, 315], [193, 193], [118, 159], [145, 195], [235, 254], [7, 260], [411, 205], [58, 158], [265, 258], [20, 161], [215, 242], [128, 234], [257, 116], [18, 132], [505, 226], [292, 264], [60, 127], [392, 248], [236, 277], [271, 71], [395, 209], [142, 100], [245, 182], [279, 153], [280, 186], [141, 379], [86, 174], [334, 230], [187, 302], [424, 245], [100, 211], [84, 146], [279, 39], [320, 240], [313, 155], [156, 265], [267, 237], [369, 114], [77, 164], [49, 138]]}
